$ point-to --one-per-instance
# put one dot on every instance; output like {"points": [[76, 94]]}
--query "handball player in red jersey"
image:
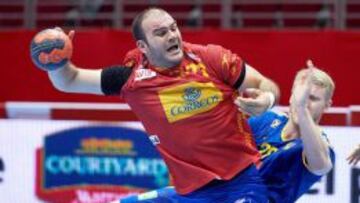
{"points": [[183, 94]]}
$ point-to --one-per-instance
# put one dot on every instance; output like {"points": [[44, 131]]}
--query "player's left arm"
{"points": [[262, 93], [316, 148]]}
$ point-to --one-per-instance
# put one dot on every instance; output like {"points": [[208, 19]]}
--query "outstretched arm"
{"points": [[76, 80], [70, 78]]}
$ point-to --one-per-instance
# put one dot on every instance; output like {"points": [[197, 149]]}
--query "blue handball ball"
{"points": [[51, 49]]}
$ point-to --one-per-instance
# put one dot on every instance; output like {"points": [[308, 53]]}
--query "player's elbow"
{"points": [[61, 86], [63, 83], [322, 168]]}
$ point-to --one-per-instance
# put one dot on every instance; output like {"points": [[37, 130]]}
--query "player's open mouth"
{"points": [[173, 49]]}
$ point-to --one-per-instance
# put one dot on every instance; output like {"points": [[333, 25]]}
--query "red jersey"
{"points": [[189, 114]]}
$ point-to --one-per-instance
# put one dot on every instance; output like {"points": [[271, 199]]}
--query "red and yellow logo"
{"points": [[186, 100]]}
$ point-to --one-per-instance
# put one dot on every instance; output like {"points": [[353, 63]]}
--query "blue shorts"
{"points": [[245, 187]]}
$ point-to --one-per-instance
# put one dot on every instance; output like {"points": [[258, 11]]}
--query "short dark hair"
{"points": [[137, 29]]}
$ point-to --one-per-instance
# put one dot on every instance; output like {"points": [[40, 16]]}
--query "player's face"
{"points": [[317, 104], [163, 46]]}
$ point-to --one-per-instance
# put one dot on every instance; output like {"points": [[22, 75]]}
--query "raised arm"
{"points": [[316, 148], [73, 79]]}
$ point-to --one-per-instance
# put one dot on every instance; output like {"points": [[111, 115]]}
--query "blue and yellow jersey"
{"points": [[284, 167]]}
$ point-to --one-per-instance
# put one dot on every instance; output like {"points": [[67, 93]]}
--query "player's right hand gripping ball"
{"points": [[51, 49]]}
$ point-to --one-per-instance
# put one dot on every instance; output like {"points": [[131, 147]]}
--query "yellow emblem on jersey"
{"points": [[196, 68], [186, 100], [267, 149]]}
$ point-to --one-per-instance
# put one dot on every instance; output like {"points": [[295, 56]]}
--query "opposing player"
{"points": [[295, 151], [183, 94]]}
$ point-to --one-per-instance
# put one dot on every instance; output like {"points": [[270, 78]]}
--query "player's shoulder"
{"points": [[132, 58]]}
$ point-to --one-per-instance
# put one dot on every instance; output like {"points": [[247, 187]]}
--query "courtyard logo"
{"points": [[97, 164]]}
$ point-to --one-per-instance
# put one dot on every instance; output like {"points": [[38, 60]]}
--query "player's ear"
{"points": [[141, 45]]}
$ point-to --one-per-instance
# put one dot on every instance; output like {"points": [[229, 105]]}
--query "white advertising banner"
{"points": [[343, 184], [29, 171]]}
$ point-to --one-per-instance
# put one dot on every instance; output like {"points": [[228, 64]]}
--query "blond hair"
{"points": [[321, 79]]}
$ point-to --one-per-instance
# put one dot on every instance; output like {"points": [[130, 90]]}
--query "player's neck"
{"points": [[162, 65]]}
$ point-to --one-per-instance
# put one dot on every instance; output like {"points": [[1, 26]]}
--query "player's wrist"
{"points": [[62, 68], [271, 97]]}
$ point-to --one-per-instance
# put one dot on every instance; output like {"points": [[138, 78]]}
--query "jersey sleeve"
{"points": [[227, 66], [113, 79]]}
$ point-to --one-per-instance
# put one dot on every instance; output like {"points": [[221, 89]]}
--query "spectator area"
{"points": [[17, 14]]}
